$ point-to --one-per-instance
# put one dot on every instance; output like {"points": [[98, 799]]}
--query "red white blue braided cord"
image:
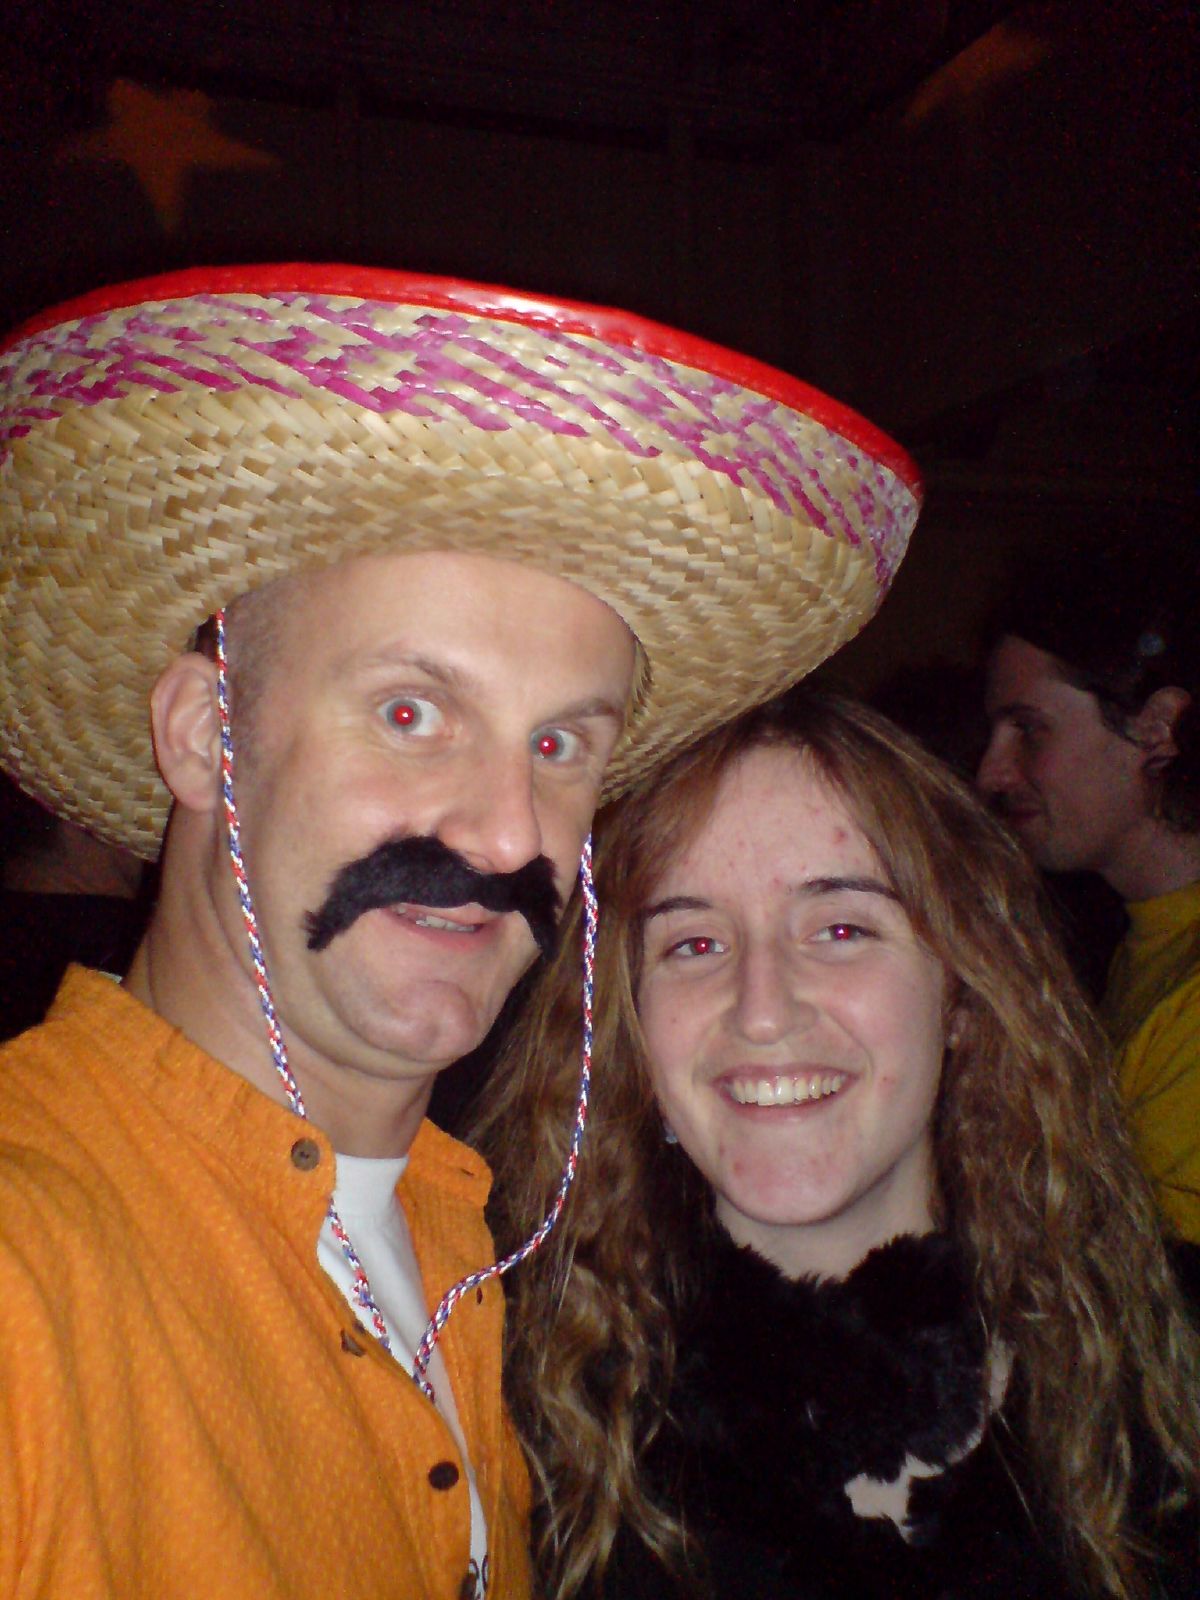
{"points": [[591, 919], [363, 1296]]}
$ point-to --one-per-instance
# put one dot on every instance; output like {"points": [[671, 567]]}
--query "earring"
{"points": [[669, 1134]]}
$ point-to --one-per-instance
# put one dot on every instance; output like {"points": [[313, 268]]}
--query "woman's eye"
{"points": [[702, 944], [411, 714], [557, 744], [842, 933]]}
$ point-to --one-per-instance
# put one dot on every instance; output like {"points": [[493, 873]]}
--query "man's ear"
{"points": [[187, 731], [1153, 729]]}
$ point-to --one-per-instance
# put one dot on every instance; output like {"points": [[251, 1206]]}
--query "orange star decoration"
{"points": [[163, 139]]}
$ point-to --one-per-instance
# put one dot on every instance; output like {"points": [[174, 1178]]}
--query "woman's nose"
{"points": [[768, 1003]]}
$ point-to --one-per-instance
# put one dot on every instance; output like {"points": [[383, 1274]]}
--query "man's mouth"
{"points": [[428, 920], [439, 922], [786, 1090], [1014, 808]]}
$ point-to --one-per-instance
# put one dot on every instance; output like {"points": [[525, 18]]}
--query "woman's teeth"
{"points": [[785, 1091]]}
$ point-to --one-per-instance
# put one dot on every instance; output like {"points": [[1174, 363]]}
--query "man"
{"points": [[1095, 760], [471, 560]]}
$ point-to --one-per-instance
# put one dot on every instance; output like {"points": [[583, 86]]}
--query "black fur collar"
{"points": [[787, 1392]]}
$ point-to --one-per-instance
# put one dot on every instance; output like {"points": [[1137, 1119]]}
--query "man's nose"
{"points": [[997, 771], [494, 822]]}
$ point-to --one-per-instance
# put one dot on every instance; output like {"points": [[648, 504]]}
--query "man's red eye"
{"points": [[557, 745], [703, 946], [413, 715]]}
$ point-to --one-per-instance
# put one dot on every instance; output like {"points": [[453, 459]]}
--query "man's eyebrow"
{"points": [[443, 672], [1015, 708], [582, 710]]}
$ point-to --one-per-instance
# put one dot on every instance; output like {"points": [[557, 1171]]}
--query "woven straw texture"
{"points": [[157, 460]]}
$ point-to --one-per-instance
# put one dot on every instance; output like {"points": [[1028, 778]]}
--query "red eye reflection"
{"points": [[549, 744], [403, 713]]}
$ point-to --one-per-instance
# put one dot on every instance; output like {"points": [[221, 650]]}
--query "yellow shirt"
{"points": [[1152, 1011], [186, 1405]]}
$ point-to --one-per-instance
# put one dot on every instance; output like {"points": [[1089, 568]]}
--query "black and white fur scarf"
{"points": [[849, 1394], [849, 1440], [838, 1438]]}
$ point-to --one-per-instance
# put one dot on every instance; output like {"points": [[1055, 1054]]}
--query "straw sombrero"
{"points": [[166, 445]]}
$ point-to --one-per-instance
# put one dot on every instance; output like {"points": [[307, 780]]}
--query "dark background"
{"points": [[972, 220]]}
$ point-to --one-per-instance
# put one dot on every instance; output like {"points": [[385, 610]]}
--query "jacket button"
{"points": [[351, 1345], [468, 1589], [443, 1475], [306, 1154]]}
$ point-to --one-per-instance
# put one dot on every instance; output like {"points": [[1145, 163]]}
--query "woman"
{"points": [[859, 1291]]}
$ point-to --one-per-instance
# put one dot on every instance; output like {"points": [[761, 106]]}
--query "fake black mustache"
{"points": [[423, 871]]}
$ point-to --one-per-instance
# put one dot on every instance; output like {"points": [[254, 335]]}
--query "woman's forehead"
{"points": [[772, 802]]}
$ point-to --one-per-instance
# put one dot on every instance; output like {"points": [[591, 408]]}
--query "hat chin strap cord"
{"points": [[363, 1295]]}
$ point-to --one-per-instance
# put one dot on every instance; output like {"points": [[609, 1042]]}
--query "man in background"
{"points": [[1094, 759]]}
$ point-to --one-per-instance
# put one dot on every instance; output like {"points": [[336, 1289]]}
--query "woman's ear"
{"points": [[956, 1022], [187, 731], [1153, 729]]}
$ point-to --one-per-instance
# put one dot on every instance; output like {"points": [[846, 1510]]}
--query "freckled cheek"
{"points": [[666, 1045], [911, 1088], [674, 1032]]}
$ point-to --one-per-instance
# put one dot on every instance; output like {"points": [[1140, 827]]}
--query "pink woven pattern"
{"points": [[489, 375]]}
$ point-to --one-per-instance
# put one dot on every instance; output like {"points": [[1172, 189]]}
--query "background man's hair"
{"points": [[1119, 612]]}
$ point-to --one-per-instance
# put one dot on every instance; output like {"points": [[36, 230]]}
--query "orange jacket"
{"points": [[185, 1406]]}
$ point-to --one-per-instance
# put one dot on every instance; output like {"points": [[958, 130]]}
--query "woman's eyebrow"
{"points": [[812, 888], [809, 888], [677, 902]]}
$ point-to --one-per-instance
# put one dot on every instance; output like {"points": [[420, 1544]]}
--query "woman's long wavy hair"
{"points": [[1037, 1181]]}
